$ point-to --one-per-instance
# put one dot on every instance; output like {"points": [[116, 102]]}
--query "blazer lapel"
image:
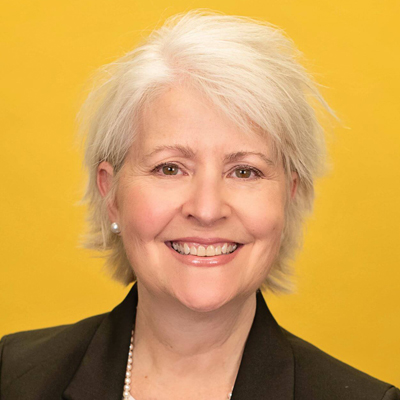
{"points": [[267, 367], [266, 370], [101, 373]]}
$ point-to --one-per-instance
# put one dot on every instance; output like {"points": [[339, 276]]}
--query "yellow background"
{"points": [[349, 272]]}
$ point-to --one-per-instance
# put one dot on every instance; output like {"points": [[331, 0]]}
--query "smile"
{"points": [[198, 250], [212, 254]]}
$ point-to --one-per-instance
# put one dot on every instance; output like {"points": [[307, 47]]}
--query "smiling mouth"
{"points": [[217, 249]]}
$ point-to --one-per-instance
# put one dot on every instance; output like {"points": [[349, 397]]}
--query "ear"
{"points": [[105, 177], [294, 184]]}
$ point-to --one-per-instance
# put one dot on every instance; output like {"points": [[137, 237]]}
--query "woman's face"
{"points": [[194, 183]]}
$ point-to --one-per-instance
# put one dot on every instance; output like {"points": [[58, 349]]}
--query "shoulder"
{"points": [[57, 346], [321, 376]]}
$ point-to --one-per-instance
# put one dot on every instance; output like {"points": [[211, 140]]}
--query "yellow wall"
{"points": [[349, 271]]}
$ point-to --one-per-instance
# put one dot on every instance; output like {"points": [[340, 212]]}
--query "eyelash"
{"points": [[258, 173]]}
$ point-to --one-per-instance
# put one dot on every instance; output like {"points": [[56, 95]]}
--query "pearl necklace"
{"points": [[128, 373]]}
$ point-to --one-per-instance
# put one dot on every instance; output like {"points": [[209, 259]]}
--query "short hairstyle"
{"points": [[248, 69]]}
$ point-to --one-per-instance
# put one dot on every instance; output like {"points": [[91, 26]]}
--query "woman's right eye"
{"points": [[167, 169]]}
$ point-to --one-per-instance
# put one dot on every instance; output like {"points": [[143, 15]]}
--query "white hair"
{"points": [[250, 71]]}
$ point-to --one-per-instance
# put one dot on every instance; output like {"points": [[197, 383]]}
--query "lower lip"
{"points": [[213, 261]]}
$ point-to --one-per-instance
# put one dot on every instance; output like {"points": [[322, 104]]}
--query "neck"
{"points": [[170, 337]]}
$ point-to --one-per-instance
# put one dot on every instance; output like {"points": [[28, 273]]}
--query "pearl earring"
{"points": [[115, 228]]}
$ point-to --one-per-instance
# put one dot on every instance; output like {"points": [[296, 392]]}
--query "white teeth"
{"points": [[204, 251], [210, 251], [186, 248]]}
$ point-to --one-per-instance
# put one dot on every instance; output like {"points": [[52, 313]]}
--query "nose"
{"points": [[206, 201]]}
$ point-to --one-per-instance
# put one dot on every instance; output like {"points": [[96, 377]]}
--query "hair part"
{"points": [[250, 71]]}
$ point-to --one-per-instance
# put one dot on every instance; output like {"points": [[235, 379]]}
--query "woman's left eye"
{"points": [[247, 172]]}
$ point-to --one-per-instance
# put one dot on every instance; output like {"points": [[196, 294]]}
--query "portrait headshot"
{"points": [[200, 201]]}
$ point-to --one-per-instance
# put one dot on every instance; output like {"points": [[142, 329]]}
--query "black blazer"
{"points": [[87, 361]]}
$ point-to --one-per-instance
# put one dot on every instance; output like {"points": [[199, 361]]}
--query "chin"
{"points": [[204, 298]]}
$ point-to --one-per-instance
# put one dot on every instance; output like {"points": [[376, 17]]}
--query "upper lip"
{"points": [[204, 240]]}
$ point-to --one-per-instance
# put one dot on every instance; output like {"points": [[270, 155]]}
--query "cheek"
{"points": [[263, 214], [265, 225], [144, 211]]}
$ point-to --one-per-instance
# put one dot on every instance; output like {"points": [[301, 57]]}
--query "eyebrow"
{"points": [[187, 152], [232, 157]]}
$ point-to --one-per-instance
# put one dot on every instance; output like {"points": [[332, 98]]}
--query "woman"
{"points": [[202, 149]]}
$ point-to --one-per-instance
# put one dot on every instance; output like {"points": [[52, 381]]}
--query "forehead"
{"points": [[183, 117]]}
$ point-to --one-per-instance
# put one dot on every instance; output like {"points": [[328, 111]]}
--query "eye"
{"points": [[246, 172], [167, 169]]}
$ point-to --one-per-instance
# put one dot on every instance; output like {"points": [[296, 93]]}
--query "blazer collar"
{"points": [[267, 367], [101, 373], [266, 370]]}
